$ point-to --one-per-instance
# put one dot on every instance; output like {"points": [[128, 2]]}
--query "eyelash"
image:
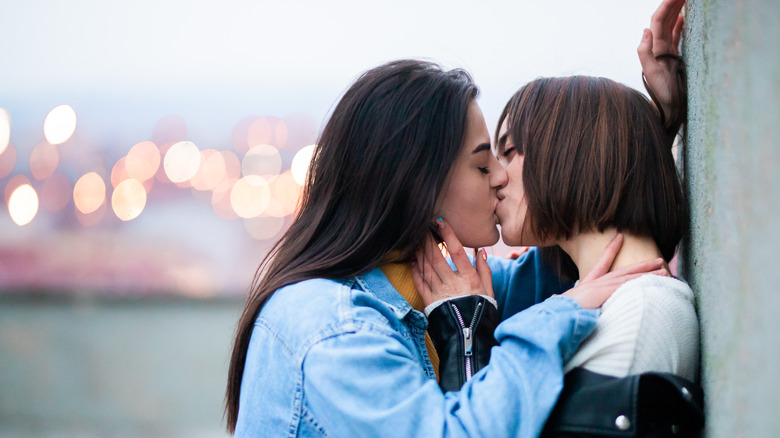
{"points": [[484, 170], [509, 151]]}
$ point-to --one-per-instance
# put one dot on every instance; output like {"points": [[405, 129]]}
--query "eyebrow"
{"points": [[480, 148]]}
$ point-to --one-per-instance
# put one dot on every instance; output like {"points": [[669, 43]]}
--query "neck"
{"points": [[585, 249]]}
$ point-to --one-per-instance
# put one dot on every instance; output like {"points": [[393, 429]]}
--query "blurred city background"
{"points": [[151, 152]]}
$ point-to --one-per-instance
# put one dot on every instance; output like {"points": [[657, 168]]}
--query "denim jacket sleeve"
{"points": [[366, 382]]}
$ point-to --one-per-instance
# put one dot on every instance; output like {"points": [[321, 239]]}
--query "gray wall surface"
{"points": [[731, 157], [151, 367]]}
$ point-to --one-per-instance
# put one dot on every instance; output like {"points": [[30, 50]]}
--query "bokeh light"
{"points": [[300, 163], [232, 165], [220, 199], [89, 193], [44, 159], [119, 172], [128, 199], [211, 171], [250, 196], [15, 182], [60, 124], [23, 205], [182, 161], [261, 160], [7, 160], [5, 129], [285, 193], [143, 160], [264, 228], [259, 132], [55, 192]]}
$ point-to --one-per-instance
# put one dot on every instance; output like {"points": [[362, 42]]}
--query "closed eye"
{"points": [[484, 170], [508, 151]]}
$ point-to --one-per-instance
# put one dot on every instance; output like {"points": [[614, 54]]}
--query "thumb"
{"points": [[483, 270]]}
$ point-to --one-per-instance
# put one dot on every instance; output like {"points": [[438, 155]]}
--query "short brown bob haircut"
{"points": [[596, 156]]}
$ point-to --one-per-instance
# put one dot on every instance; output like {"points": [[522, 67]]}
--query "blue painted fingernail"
{"points": [[439, 220]]}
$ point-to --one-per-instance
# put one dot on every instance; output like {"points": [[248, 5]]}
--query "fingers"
{"points": [[483, 270], [662, 24], [454, 247], [650, 66], [434, 257], [422, 285], [607, 258], [676, 33], [425, 268], [640, 268]]}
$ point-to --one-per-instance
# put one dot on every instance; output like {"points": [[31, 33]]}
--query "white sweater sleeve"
{"points": [[649, 324]]}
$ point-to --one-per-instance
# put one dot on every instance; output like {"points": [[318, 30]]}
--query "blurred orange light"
{"points": [[182, 161], [259, 132], [143, 160], [211, 172], [119, 172], [5, 129], [60, 124], [7, 160], [232, 165], [264, 228], [55, 192], [285, 194], [23, 205], [44, 160], [300, 163], [220, 200], [250, 196], [89, 193], [128, 199], [263, 159]]}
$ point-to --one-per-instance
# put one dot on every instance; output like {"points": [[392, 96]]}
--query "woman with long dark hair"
{"points": [[332, 340]]}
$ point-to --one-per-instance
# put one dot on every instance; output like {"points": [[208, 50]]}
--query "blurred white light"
{"points": [[182, 161], [263, 159], [250, 196], [60, 124], [23, 205], [5, 129], [128, 199], [89, 193], [300, 163]]}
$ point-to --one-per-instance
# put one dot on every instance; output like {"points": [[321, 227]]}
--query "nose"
{"points": [[498, 176]]}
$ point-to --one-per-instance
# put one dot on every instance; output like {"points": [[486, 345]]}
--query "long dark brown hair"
{"points": [[372, 187], [597, 155]]}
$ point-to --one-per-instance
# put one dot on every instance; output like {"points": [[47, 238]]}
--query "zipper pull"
{"points": [[467, 340]]}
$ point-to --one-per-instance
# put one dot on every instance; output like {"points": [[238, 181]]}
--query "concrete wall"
{"points": [[114, 367], [732, 258]]}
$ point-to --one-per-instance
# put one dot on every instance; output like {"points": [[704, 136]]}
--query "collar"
{"points": [[375, 282]]}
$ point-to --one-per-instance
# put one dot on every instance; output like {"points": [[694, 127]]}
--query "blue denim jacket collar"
{"points": [[375, 282]]}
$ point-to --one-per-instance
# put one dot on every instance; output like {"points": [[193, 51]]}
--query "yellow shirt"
{"points": [[400, 276]]}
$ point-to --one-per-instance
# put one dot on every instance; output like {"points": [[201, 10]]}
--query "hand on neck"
{"points": [[586, 248]]}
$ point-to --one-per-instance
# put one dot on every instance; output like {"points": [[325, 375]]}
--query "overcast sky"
{"points": [[121, 62]]}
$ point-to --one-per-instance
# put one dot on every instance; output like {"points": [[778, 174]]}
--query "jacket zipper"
{"points": [[468, 341]]}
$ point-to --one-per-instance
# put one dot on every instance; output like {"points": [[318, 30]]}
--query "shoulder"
{"points": [[650, 292], [304, 313]]}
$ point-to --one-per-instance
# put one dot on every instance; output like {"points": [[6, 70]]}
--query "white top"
{"points": [[648, 324]]}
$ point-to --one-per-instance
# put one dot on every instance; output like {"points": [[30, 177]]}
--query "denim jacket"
{"points": [[347, 359]]}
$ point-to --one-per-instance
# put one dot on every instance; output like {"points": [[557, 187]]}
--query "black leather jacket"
{"points": [[650, 405], [462, 332]]}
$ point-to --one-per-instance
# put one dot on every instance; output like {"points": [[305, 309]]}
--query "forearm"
{"points": [[355, 394]]}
